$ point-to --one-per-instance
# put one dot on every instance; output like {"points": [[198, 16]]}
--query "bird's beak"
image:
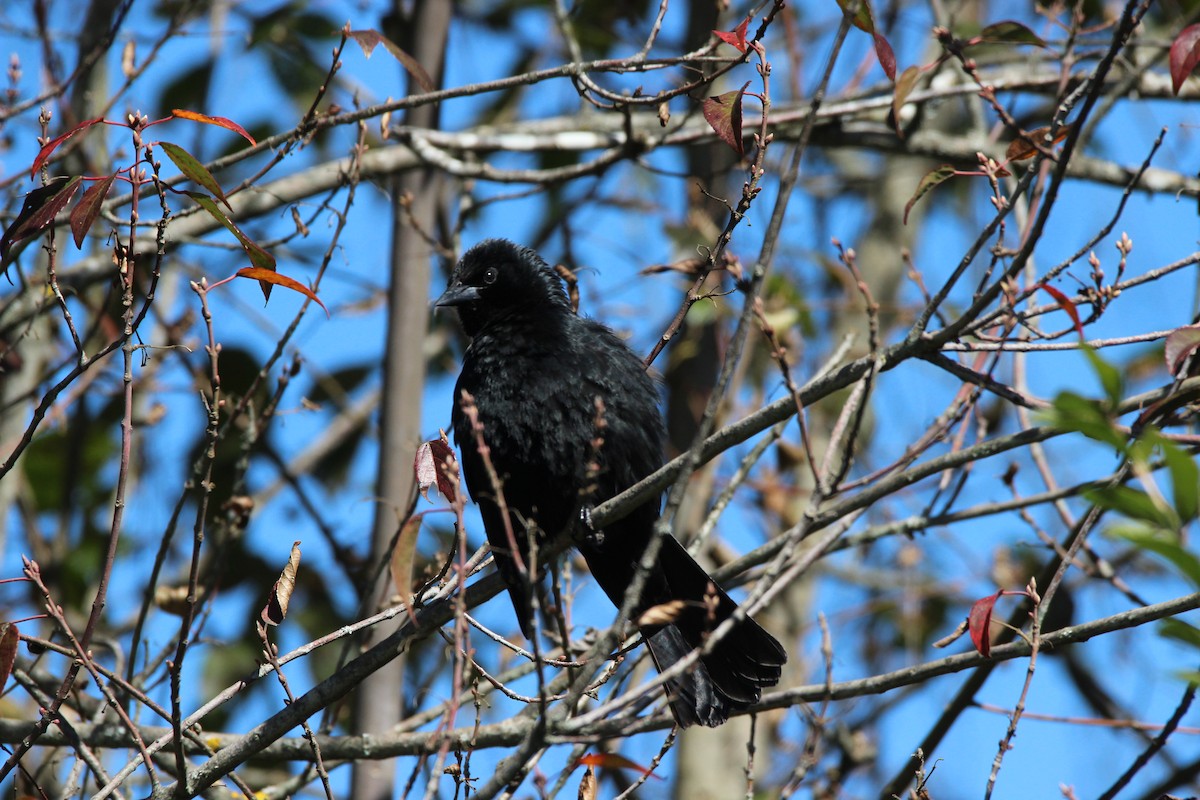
{"points": [[458, 294]]}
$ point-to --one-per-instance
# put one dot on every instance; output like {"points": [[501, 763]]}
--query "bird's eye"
{"points": [[490, 275]]}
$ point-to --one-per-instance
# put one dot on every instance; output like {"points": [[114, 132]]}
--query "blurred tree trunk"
{"points": [[711, 761], [422, 32]]}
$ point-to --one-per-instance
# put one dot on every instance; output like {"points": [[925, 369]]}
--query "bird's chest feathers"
{"points": [[535, 402]]}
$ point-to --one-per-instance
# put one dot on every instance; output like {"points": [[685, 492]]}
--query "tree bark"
{"points": [[379, 701]]}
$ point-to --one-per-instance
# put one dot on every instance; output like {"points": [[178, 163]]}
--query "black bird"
{"points": [[541, 377]]}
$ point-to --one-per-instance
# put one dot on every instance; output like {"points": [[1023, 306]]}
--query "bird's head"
{"points": [[497, 279]]}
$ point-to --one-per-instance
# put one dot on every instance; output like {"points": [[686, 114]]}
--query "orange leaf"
{"points": [[614, 761], [270, 276], [220, 122], [1025, 145]]}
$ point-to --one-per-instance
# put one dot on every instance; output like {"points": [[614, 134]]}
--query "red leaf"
{"points": [[979, 623], [724, 114], [1185, 52], [39, 210], [271, 277], [9, 638], [735, 37], [1066, 303], [84, 215], [864, 20], [887, 59], [1181, 343], [614, 761], [434, 465], [53, 144], [220, 122], [369, 39]]}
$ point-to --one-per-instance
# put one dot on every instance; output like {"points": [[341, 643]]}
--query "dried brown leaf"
{"points": [[281, 593]]}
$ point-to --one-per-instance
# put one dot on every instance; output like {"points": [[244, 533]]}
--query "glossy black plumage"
{"points": [[535, 370]]}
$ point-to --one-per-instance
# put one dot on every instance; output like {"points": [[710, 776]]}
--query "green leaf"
{"points": [[1185, 475], [1180, 631], [1110, 377], [192, 168], [863, 19], [1071, 412], [1188, 676], [1010, 32], [1134, 504], [259, 257], [931, 179], [1163, 543], [1185, 480]]}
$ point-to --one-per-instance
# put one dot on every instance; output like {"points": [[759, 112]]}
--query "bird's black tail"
{"points": [[729, 678]]}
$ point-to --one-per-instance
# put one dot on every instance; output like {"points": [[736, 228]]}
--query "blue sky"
{"points": [[616, 245]]}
